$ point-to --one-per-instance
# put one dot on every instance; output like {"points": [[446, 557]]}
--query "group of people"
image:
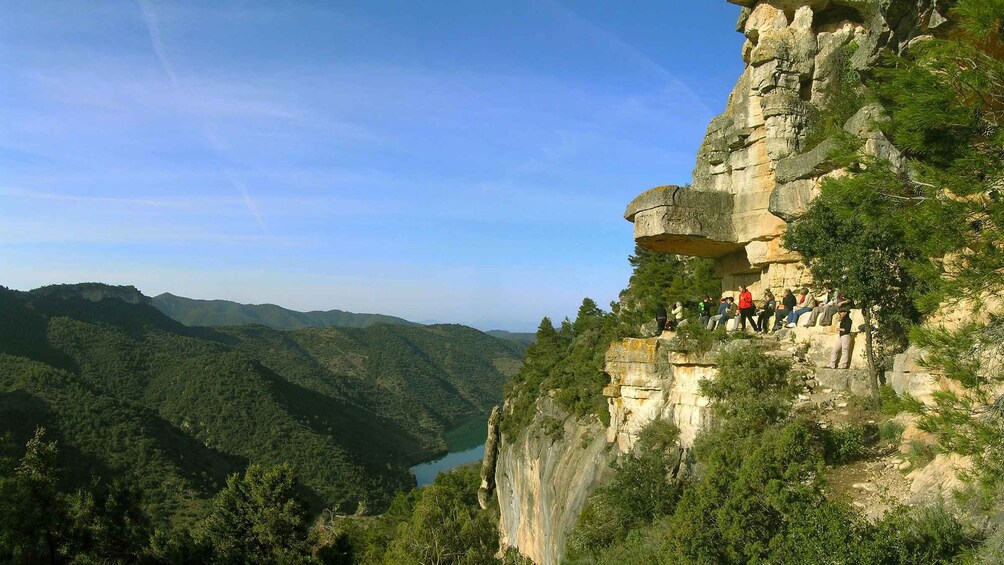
{"points": [[786, 313], [772, 315]]}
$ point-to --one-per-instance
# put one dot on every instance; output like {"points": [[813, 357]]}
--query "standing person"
{"points": [[747, 309], [660, 318], [842, 347], [705, 310], [676, 316], [769, 308], [805, 304], [788, 302]]}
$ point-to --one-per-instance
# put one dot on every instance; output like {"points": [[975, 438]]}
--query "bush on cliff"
{"points": [[756, 493], [441, 523], [642, 489]]}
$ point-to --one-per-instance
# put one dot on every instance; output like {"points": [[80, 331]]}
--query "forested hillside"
{"points": [[131, 394], [192, 312]]}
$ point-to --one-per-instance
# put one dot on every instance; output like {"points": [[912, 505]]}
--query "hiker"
{"points": [[837, 302], [821, 304], [842, 347], [767, 312], [705, 310], [747, 309], [727, 311], [805, 304], [676, 317], [660, 318], [788, 302]]}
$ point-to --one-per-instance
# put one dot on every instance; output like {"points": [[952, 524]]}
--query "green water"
{"points": [[470, 434]]}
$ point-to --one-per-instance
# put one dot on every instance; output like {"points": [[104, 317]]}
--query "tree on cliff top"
{"points": [[889, 238], [853, 239], [663, 278]]}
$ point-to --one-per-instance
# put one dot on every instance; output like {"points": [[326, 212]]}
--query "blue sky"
{"points": [[454, 161]]}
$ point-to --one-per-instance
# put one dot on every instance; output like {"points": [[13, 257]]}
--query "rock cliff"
{"points": [[543, 479], [654, 379], [93, 292], [755, 169], [759, 166]]}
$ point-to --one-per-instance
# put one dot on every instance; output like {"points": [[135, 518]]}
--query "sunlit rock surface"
{"points": [[755, 171]]}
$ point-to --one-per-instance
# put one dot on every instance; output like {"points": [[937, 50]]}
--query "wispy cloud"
{"points": [[152, 23], [17, 192], [252, 207], [627, 50], [153, 29]]}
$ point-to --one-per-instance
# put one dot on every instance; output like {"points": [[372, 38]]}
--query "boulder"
{"points": [[855, 381]]}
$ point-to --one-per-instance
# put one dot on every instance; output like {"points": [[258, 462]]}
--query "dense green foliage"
{"points": [[519, 337], [568, 360], [904, 238], [755, 494], [661, 278], [192, 312], [441, 523], [926, 234], [43, 523], [132, 394]]}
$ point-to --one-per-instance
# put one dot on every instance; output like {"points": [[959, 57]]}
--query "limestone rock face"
{"points": [[543, 482], [652, 380], [755, 171], [487, 487]]}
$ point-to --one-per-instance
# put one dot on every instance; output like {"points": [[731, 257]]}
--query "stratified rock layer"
{"points": [[754, 169], [651, 379], [488, 463]]}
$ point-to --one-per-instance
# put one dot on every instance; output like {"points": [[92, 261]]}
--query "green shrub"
{"points": [[891, 431], [697, 339], [640, 491], [843, 444], [752, 391], [927, 535]]}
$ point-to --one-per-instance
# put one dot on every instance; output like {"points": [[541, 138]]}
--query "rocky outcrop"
{"points": [[544, 479], [755, 171], [654, 379], [487, 487], [93, 292]]}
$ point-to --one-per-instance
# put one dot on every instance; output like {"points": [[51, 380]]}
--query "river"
{"points": [[426, 472]]}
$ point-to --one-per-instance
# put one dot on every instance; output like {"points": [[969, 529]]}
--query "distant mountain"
{"points": [[193, 312], [130, 393], [524, 338]]}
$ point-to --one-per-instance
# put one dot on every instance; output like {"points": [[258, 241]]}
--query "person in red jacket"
{"points": [[747, 309]]}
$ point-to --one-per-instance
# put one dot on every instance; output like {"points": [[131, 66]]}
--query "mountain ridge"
{"points": [[218, 312], [129, 392]]}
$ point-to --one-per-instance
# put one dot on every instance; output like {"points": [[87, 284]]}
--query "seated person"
{"points": [[675, 317], [788, 303], [767, 312], [822, 301], [805, 304], [726, 311]]}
